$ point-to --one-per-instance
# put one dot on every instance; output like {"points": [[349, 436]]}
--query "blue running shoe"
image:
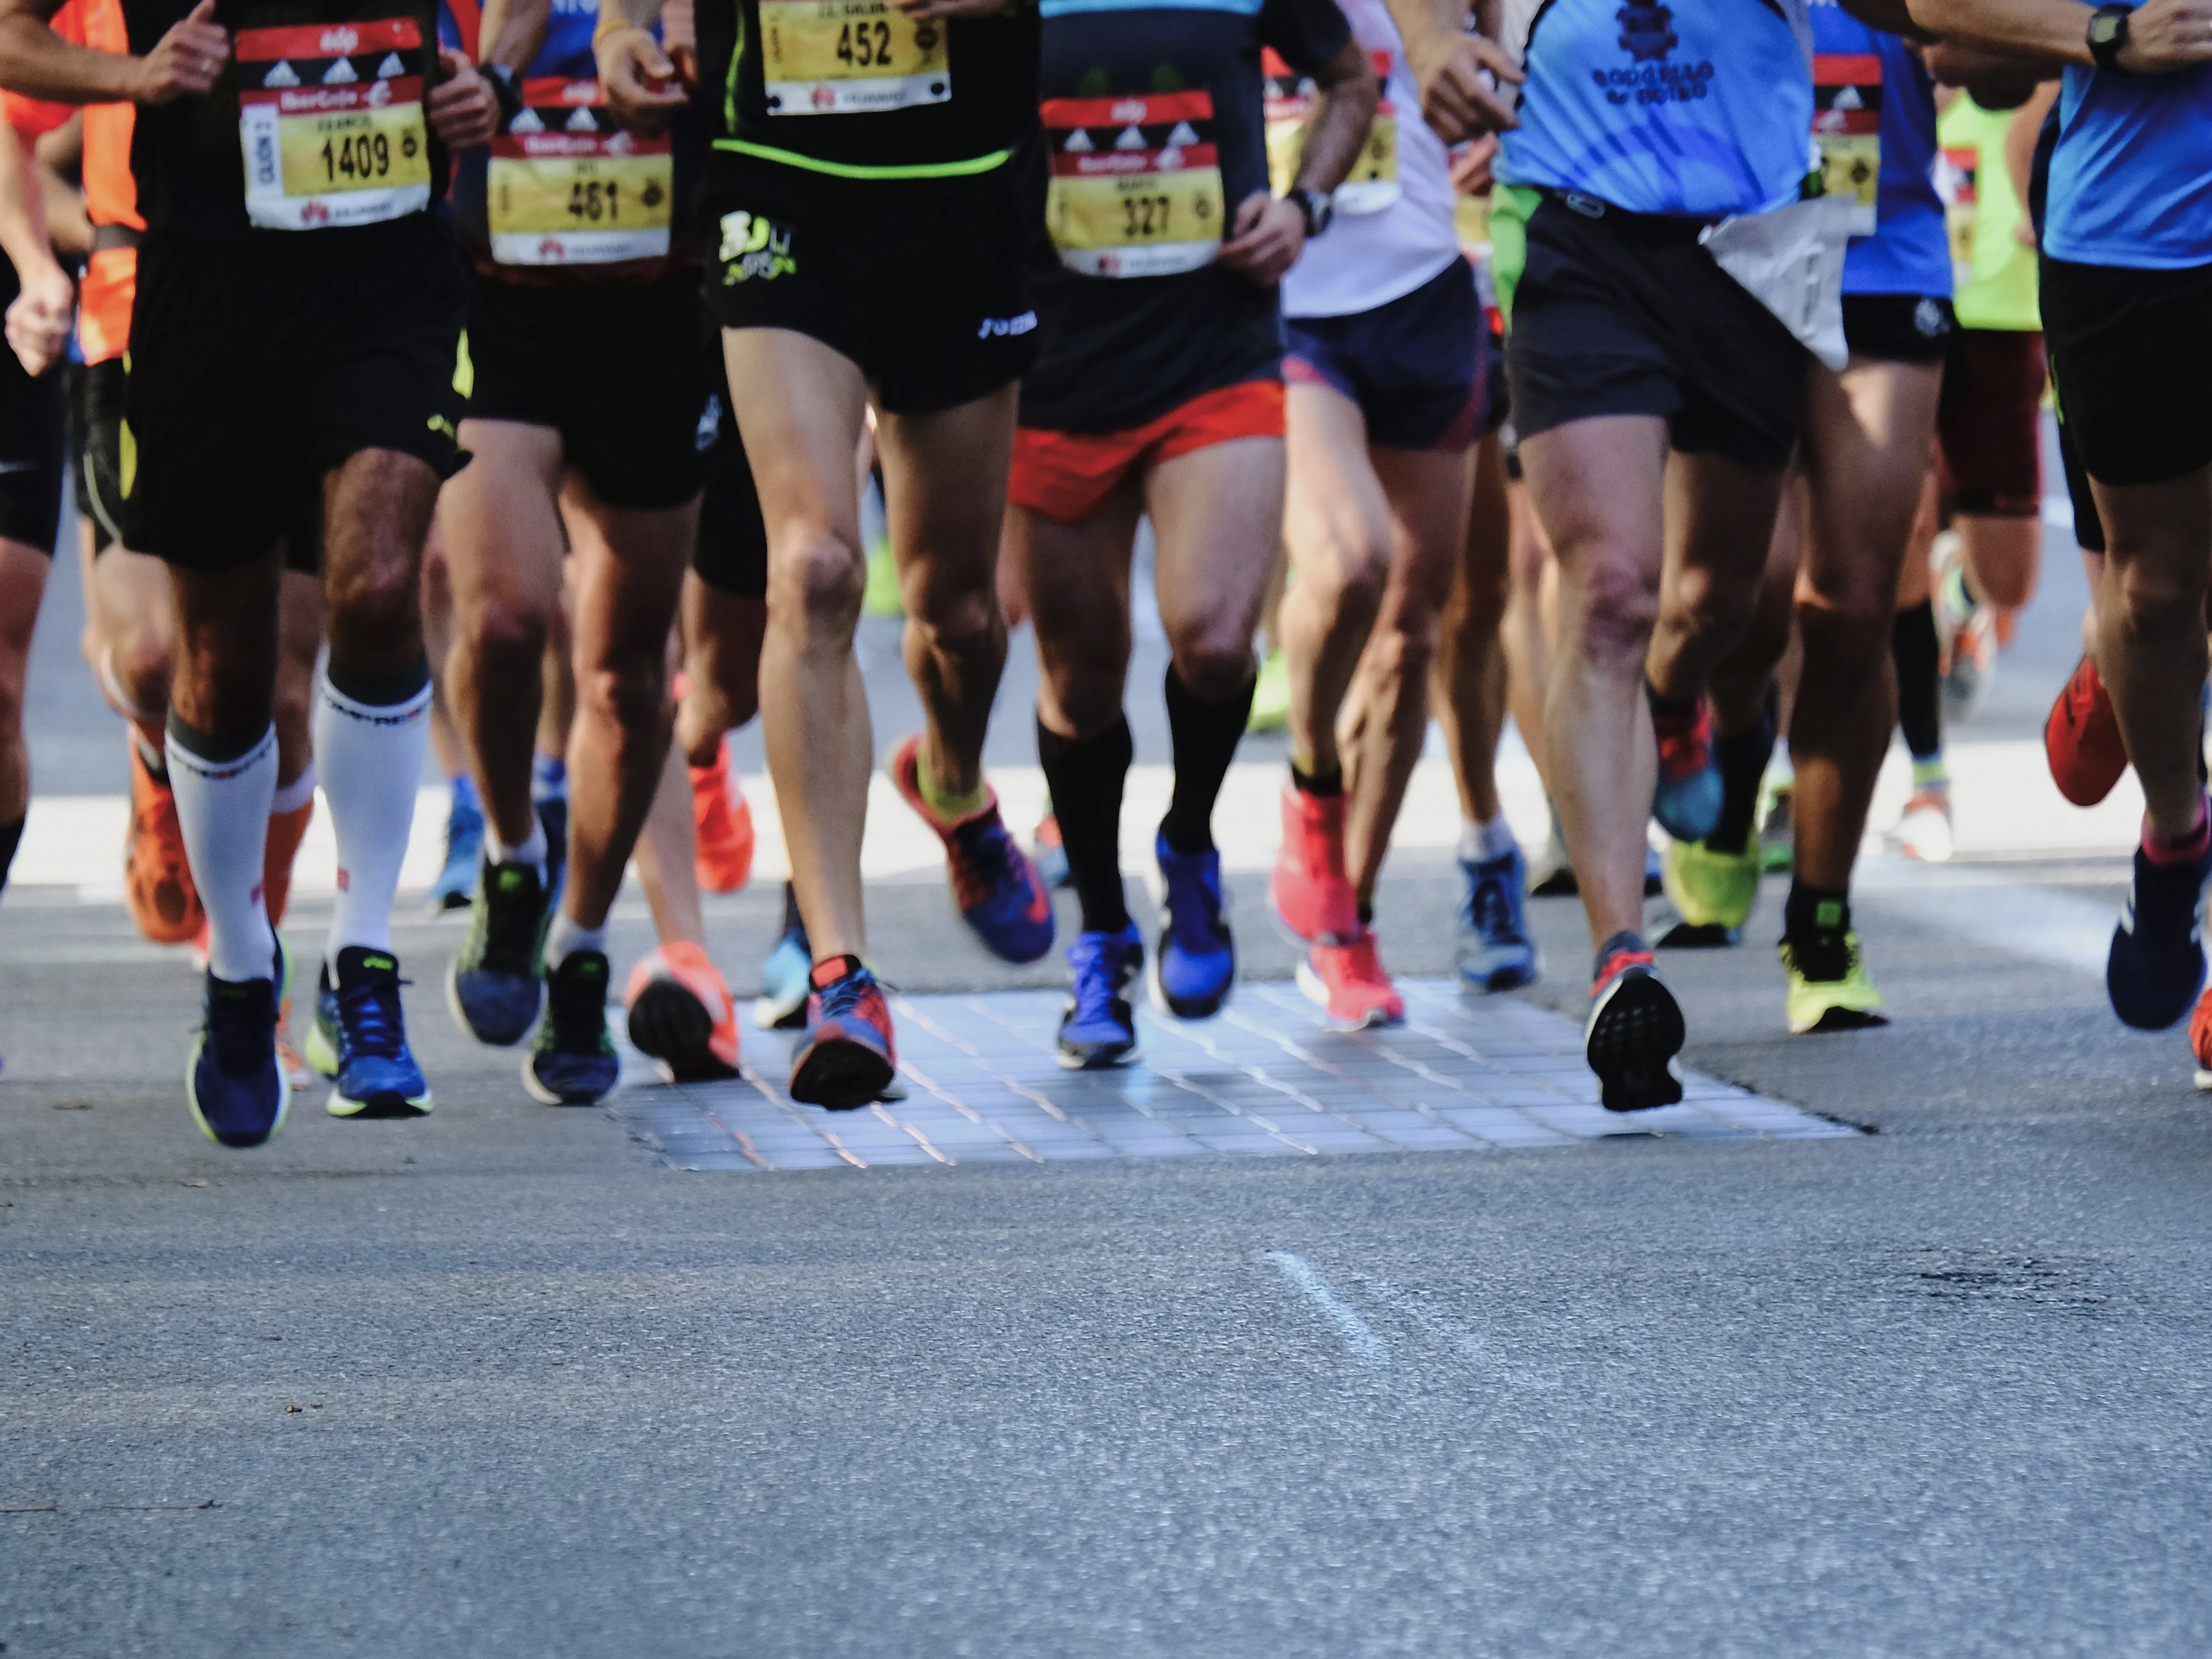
{"points": [[2156, 964], [847, 1059], [782, 1004], [997, 888], [1686, 799], [360, 1039], [1495, 953], [1099, 1028], [573, 1062], [455, 887], [1196, 963], [235, 1082], [497, 978]]}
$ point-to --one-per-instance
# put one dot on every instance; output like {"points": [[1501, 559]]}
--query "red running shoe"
{"points": [[721, 825], [2081, 738], [1310, 891], [2200, 1038], [846, 1059], [1348, 981]]}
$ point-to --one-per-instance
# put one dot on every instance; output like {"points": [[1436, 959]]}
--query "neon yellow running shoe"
{"points": [[1271, 696], [881, 596], [1848, 1004], [1712, 893]]}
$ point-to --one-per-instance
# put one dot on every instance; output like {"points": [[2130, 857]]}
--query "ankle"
{"points": [[2179, 849]]}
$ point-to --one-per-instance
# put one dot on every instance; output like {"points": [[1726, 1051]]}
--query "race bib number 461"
{"points": [[850, 58], [1136, 183], [330, 120], [567, 187]]}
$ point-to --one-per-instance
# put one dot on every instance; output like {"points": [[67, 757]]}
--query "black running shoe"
{"points": [[1635, 1030]]}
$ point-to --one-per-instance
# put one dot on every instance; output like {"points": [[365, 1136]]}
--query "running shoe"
{"points": [[1494, 952], [1634, 1031], [1973, 667], [235, 1084], [1830, 989], [297, 1071], [2200, 1039], [360, 1039], [1777, 831], [455, 887], [848, 1057], [496, 982], [2081, 738], [781, 1004], [721, 825], [1553, 875], [1686, 797], [156, 877], [1271, 695], [1052, 852], [1347, 981], [1924, 831], [2156, 964], [1099, 1029], [1309, 889], [1713, 893], [573, 1062], [998, 892], [680, 1014], [1196, 961]]}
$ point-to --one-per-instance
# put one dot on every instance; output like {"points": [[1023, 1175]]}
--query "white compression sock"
{"points": [[223, 807], [370, 756], [291, 797], [565, 936], [1480, 842]]}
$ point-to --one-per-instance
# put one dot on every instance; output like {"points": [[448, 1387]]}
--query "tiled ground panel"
{"points": [[1267, 1077]]}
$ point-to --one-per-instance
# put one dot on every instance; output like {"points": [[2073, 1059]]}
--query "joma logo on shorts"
{"points": [[753, 246], [996, 328]]}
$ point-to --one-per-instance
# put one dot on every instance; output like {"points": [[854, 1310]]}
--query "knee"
{"points": [[1701, 602], [1213, 662], [504, 633], [817, 583], [2157, 598], [143, 658], [1616, 609], [632, 693], [1353, 572], [956, 621]]}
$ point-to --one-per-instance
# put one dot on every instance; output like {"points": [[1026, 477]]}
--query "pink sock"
{"points": [[2184, 850]]}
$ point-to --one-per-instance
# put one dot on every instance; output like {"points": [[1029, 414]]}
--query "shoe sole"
{"points": [[380, 1105], [1698, 936], [2204, 1079], [1632, 1040], [192, 1100], [454, 1006], [1112, 1062], [1367, 1020], [840, 1075], [1500, 980], [550, 1097], [668, 1023], [769, 1015], [1840, 1019]]}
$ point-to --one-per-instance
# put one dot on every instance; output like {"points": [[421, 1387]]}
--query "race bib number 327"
{"points": [[1136, 183], [850, 58], [330, 120]]}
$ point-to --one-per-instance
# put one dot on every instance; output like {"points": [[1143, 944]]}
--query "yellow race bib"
{"points": [[1136, 183], [1372, 184], [1847, 126], [330, 122], [568, 187], [850, 58]]}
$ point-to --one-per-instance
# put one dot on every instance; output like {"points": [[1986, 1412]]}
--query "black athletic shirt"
{"points": [[1139, 101], [860, 90]]}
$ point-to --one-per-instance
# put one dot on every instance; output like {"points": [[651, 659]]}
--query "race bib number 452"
{"points": [[850, 58], [330, 121], [567, 187], [1136, 183]]}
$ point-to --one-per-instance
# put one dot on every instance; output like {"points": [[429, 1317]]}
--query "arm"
{"points": [[39, 319], [1891, 17], [1998, 79], [513, 32], [1449, 63], [640, 80], [39, 63], [2163, 35], [2020, 149], [1267, 233]]}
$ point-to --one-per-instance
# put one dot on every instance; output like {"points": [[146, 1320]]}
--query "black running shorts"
{"points": [[260, 362], [96, 401], [1618, 313], [1899, 328], [34, 436], [2132, 356], [918, 280], [731, 553], [619, 370]]}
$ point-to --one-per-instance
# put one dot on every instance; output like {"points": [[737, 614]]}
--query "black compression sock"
{"points": [[1322, 785], [1086, 777], [1814, 923], [1206, 738], [1743, 760], [1672, 709], [1918, 653], [11, 838]]}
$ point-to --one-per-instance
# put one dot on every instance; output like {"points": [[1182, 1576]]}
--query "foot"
{"points": [[782, 1004], [1494, 952], [1348, 981], [680, 1014], [1271, 695], [235, 1083], [359, 1039], [1196, 961], [721, 826], [848, 1057], [455, 887], [573, 1062], [1099, 1029], [998, 891], [2156, 965], [1052, 852], [497, 980], [2081, 738], [1830, 989], [1686, 799], [1713, 892], [1777, 832], [1311, 894], [2200, 1039], [1924, 831], [1634, 1031], [156, 879]]}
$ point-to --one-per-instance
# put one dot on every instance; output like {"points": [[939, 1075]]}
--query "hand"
{"points": [[921, 9], [2164, 35], [39, 319], [1471, 164], [1448, 69], [640, 79], [679, 38], [1268, 235], [185, 61], [463, 110]]}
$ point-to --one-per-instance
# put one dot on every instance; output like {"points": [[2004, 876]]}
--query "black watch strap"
{"points": [[503, 89], [2108, 36]]}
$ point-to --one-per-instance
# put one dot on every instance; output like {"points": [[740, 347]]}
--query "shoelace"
{"points": [[986, 848], [845, 996], [1487, 910], [368, 1011], [1194, 918], [1097, 986]]}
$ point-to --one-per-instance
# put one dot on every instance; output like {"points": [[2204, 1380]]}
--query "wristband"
{"points": [[613, 25]]}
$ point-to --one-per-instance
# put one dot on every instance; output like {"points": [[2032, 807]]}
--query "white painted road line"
{"points": [[1359, 1335]]}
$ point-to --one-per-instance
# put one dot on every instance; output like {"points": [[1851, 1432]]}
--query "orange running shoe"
{"points": [[1311, 894], [156, 879], [296, 1070], [721, 825], [682, 1015], [2200, 1038], [2081, 738], [1348, 981], [286, 831]]}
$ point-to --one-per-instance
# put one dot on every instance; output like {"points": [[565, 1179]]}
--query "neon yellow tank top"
{"points": [[1994, 273]]}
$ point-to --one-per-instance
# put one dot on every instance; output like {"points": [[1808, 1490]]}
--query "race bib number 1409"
{"points": [[330, 121]]}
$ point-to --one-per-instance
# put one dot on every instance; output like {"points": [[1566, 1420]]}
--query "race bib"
{"points": [[1847, 127], [1954, 183], [850, 58], [1372, 184], [1289, 105], [329, 121], [1136, 183], [568, 187]]}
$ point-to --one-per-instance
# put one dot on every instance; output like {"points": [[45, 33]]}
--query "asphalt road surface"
{"points": [[506, 1382]]}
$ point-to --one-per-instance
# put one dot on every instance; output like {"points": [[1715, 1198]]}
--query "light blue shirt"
{"points": [[2131, 179]]}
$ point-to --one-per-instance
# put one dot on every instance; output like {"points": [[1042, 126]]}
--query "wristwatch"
{"points": [[1316, 205], [2108, 36], [508, 95]]}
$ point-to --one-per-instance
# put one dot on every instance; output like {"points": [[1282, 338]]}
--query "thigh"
{"points": [[1217, 515], [1598, 491], [499, 528], [944, 492], [628, 574], [23, 572], [1720, 518], [1334, 511], [801, 408], [1432, 493], [1865, 456], [731, 554]]}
